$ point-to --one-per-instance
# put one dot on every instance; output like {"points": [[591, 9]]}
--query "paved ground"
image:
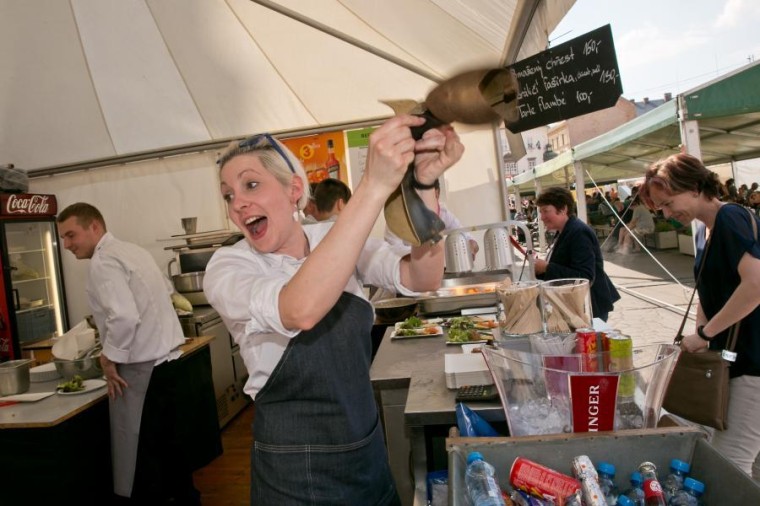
{"points": [[653, 299]]}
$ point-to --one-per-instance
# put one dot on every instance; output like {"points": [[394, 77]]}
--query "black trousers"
{"points": [[163, 473]]}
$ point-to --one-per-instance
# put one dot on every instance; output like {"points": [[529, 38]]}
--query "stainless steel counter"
{"points": [[56, 409], [409, 381]]}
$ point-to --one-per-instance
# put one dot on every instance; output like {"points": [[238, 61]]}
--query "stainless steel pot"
{"points": [[14, 376], [189, 282]]}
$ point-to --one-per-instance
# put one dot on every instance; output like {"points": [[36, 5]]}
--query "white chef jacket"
{"points": [[130, 299], [243, 285]]}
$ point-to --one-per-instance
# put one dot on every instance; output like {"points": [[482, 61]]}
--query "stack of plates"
{"points": [[466, 369], [44, 372]]}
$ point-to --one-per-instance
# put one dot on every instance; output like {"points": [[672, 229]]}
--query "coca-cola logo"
{"points": [[29, 204]]}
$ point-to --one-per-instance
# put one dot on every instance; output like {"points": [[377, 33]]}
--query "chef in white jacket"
{"points": [[131, 303]]}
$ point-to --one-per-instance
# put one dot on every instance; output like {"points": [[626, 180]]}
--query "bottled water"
{"points": [[636, 492], [482, 487], [674, 481], [607, 482], [625, 501], [689, 495]]}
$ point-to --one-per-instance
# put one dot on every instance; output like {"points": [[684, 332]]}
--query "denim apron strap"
{"points": [[317, 434]]}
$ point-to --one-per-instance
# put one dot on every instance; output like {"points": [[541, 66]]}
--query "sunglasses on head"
{"points": [[264, 141]]}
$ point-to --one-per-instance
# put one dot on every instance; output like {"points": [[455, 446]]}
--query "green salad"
{"points": [[462, 329], [75, 384], [413, 322]]}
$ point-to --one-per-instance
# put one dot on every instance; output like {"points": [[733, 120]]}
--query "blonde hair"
{"points": [[274, 156]]}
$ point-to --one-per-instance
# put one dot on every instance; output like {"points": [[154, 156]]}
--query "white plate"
{"points": [[434, 331], [459, 343], [432, 322], [89, 386], [486, 339]]}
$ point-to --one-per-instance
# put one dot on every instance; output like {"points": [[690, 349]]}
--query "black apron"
{"points": [[317, 433]]}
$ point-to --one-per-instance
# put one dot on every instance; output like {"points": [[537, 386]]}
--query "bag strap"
{"points": [[733, 334], [679, 335]]}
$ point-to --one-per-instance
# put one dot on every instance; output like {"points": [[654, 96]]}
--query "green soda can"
{"points": [[621, 359]]}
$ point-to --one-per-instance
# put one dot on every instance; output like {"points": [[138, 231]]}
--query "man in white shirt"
{"points": [[131, 303]]}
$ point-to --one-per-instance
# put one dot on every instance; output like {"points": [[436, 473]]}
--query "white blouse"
{"points": [[243, 285]]}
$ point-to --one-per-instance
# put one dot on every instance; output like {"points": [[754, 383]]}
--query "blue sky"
{"points": [[670, 45]]}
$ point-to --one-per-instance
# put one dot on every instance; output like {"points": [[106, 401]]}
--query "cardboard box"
{"points": [[724, 482]]}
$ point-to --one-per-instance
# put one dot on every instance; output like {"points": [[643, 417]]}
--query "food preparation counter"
{"points": [[58, 448], [59, 408], [410, 386]]}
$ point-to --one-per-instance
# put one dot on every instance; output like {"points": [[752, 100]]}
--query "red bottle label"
{"points": [[653, 489]]}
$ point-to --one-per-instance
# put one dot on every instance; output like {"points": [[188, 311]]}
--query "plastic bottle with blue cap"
{"points": [[606, 473], [690, 494], [482, 488], [673, 482], [636, 492]]}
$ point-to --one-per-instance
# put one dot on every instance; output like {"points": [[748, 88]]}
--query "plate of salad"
{"points": [[414, 327], [468, 330]]}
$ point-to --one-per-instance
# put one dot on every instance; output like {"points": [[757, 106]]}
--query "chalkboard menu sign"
{"points": [[574, 78]]}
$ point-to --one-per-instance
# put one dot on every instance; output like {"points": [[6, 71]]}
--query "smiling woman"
{"points": [[293, 300], [728, 259]]}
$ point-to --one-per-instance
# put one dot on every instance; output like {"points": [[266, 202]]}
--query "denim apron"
{"points": [[317, 433]]}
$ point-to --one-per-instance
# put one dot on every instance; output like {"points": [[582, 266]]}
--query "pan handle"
{"points": [[169, 267]]}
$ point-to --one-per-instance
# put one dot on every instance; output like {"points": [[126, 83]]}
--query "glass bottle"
{"points": [[653, 495], [332, 165]]}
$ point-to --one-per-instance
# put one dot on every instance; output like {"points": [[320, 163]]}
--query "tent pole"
{"points": [[689, 130], [580, 192], [347, 38], [198, 147]]}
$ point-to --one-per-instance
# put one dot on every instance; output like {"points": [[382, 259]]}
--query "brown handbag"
{"points": [[698, 388]]}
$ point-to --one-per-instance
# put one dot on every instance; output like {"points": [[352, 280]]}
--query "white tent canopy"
{"points": [[93, 79], [146, 91]]}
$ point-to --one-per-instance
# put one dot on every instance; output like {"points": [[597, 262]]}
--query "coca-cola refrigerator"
{"points": [[32, 299]]}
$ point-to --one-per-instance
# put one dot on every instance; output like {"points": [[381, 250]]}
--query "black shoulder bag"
{"points": [[698, 388]]}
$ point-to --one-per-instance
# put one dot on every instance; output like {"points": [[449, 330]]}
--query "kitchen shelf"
{"points": [[36, 250], [29, 309], [21, 281]]}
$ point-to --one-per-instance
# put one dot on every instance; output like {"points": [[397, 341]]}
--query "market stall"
{"points": [[717, 121]]}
